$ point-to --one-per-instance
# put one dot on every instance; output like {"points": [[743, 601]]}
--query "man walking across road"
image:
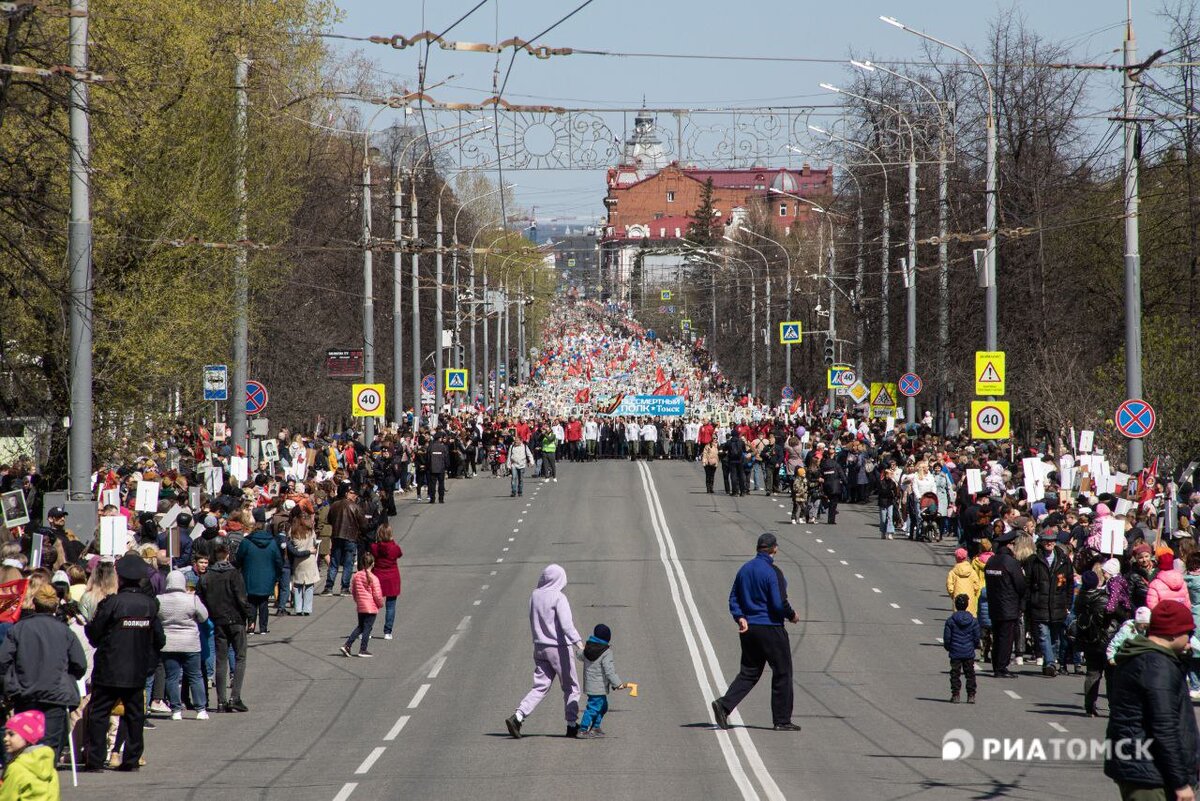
{"points": [[554, 636], [759, 604]]}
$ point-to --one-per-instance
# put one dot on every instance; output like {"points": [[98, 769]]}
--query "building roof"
{"points": [[762, 177]]}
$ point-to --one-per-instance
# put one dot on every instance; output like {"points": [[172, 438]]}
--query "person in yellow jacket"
{"points": [[963, 580], [30, 775]]}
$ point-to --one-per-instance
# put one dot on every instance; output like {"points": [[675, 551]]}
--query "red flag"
{"points": [[659, 375], [574, 370], [687, 392], [584, 395], [1147, 483], [664, 389], [12, 593], [795, 405]]}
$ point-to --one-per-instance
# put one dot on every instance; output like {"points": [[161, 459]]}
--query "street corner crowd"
{"points": [[144, 622]]}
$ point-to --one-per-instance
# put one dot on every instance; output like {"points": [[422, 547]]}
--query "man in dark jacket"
{"points": [[1151, 725], [833, 475], [759, 604], [439, 460], [128, 636], [41, 661], [735, 451], [261, 561], [347, 521], [1050, 581], [1006, 591], [223, 592]]}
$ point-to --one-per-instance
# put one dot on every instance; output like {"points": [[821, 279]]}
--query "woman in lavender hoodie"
{"points": [[554, 636]]}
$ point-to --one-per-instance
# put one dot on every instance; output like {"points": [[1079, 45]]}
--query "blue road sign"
{"points": [[910, 385], [1135, 418], [429, 384], [256, 397], [650, 333], [788, 393], [216, 382]]}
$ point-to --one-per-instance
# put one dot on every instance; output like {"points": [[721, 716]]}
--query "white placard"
{"points": [[270, 450], [1112, 536], [220, 431], [196, 531], [239, 468], [110, 497], [35, 551], [1086, 440], [974, 480], [213, 480], [1067, 478], [1122, 479], [850, 425], [113, 535], [171, 516], [889, 424], [1124, 507], [147, 496]]}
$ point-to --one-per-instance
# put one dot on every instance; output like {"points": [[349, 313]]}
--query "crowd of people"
{"points": [[1060, 559]]}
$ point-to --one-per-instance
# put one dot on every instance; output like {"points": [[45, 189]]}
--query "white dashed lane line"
{"points": [[876, 589], [917, 620], [438, 665], [894, 605], [501, 559], [858, 575], [420, 694], [844, 562], [369, 762], [1012, 695], [1058, 727], [394, 732], [462, 624], [345, 792]]}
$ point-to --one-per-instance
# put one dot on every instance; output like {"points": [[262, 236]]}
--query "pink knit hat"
{"points": [[960, 555], [1102, 510], [30, 725]]}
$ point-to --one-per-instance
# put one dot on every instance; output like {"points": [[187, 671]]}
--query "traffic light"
{"points": [[828, 351]]}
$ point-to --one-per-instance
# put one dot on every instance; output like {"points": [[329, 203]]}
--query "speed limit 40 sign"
{"points": [[989, 420], [368, 400]]}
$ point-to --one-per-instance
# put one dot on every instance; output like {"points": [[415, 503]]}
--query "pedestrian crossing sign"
{"points": [[456, 380], [989, 372], [665, 294], [883, 399], [685, 325], [791, 333]]}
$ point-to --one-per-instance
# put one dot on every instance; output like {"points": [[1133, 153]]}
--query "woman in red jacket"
{"points": [[387, 553]]}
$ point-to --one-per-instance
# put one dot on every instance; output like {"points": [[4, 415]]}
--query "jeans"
{"points": [[389, 613], [756, 477], [548, 461], [230, 634], [208, 649], [343, 553], [366, 621], [260, 609], [285, 584], [1050, 635], [887, 522], [593, 715], [180, 666], [302, 595], [518, 480]]}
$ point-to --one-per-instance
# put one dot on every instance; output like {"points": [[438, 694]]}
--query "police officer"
{"points": [[1006, 594], [127, 635], [833, 476]]}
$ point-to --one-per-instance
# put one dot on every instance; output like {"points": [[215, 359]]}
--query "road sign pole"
{"points": [[1133, 264]]}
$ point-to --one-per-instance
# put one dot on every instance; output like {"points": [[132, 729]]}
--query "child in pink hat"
{"points": [[30, 773]]}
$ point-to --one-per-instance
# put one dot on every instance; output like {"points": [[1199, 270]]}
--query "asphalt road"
{"points": [[649, 553]]}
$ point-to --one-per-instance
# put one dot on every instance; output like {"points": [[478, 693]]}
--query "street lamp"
{"points": [[884, 313], [910, 267], [753, 316], [788, 260], [457, 313], [990, 295]]}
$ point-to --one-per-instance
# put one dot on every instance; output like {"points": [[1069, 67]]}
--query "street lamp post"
{"points": [[990, 296], [770, 334], [753, 317]]}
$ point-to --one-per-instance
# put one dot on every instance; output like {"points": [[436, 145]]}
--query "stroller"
{"points": [[931, 527]]}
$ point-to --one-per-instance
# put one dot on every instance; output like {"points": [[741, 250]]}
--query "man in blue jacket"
{"points": [[759, 604]]}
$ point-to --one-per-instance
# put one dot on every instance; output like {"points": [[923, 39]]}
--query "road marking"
{"points": [[449, 644], [820, 540], [831, 550], [503, 550], [844, 562], [917, 620], [462, 624], [492, 573], [345, 792], [394, 732], [1058, 727], [894, 605], [484, 587], [781, 506], [1012, 695], [522, 520], [858, 575], [416, 700], [501, 559], [371, 759], [876, 589], [512, 539], [476, 603], [437, 666], [689, 617], [806, 531], [940, 640], [529, 504], [516, 531]]}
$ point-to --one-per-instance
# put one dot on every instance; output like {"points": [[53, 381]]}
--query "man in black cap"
{"points": [[438, 460], [1006, 590], [54, 534], [128, 636], [1051, 582], [759, 604]]}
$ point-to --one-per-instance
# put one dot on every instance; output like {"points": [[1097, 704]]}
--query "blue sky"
{"points": [[751, 27]]}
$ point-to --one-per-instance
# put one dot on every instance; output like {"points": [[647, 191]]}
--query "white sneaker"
{"points": [[387, 636], [1020, 660], [793, 522], [202, 714], [556, 480], [159, 706], [177, 715], [1195, 694]]}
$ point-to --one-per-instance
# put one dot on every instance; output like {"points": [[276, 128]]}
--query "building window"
{"points": [[658, 215], [670, 197], [782, 209]]}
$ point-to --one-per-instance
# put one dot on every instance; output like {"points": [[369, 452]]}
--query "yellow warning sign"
{"points": [[883, 399], [989, 372], [989, 419]]}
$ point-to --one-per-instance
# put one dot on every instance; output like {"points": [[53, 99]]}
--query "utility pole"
{"points": [[241, 277], [1133, 262], [438, 321], [943, 279], [884, 315], [860, 271], [910, 358], [397, 296], [79, 259], [483, 306], [416, 306], [368, 286]]}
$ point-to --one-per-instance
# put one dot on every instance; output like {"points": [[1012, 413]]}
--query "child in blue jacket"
{"points": [[960, 639]]}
